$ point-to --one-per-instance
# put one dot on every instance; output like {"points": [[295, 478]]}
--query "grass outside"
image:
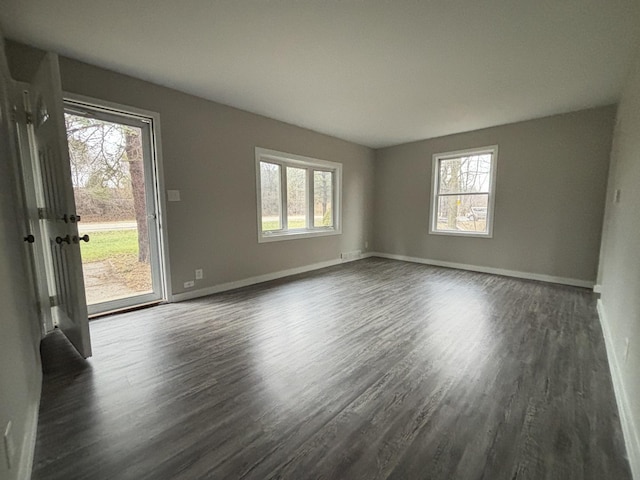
{"points": [[294, 222], [106, 244]]}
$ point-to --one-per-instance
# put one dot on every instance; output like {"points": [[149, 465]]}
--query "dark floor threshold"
{"points": [[126, 309]]}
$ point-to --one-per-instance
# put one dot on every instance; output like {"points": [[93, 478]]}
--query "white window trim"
{"points": [[290, 159], [433, 215]]}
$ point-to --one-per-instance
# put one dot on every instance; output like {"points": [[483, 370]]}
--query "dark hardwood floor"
{"points": [[372, 369]]}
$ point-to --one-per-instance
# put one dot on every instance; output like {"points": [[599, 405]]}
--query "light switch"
{"points": [[173, 195]]}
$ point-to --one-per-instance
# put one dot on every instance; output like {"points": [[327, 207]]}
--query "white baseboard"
{"points": [[223, 287], [597, 288], [631, 437], [497, 271]]}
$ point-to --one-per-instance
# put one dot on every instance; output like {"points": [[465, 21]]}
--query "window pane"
{"points": [[467, 213], [271, 201], [322, 199], [465, 174], [296, 198]]}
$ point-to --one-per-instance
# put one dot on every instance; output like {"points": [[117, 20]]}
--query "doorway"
{"points": [[114, 175]]}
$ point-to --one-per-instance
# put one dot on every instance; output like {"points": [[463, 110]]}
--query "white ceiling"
{"points": [[373, 72]]}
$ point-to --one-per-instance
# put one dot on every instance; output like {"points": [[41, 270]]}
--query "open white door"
{"points": [[16, 133], [51, 175]]}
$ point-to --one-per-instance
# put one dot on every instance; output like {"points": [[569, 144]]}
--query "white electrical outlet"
{"points": [[366, 244], [9, 445], [616, 197], [189, 284], [199, 274]]}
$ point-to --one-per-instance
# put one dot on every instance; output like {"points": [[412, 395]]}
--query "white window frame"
{"points": [[433, 215], [298, 161]]}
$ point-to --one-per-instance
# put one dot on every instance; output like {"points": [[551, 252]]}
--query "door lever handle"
{"points": [[29, 238], [71, 218], [84, 238], [67, 239]]}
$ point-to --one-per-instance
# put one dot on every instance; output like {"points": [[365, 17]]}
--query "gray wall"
{"points": [[208, 152], [20, 374], [619, 273], [550, 189]]}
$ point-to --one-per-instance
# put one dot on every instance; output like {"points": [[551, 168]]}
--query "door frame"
{"points": [[157, 176], [26, 180]]}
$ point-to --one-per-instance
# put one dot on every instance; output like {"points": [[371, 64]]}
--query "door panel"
{"points": [[58, 219]]}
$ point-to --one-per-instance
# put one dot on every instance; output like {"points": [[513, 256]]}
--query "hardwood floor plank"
{"points": [[369, 370]]}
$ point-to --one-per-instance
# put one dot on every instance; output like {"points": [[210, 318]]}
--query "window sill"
{"points": [[454, 233], [277, 236]]}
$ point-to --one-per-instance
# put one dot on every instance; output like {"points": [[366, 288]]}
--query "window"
{"points": [[463, 192], [298, 196]]}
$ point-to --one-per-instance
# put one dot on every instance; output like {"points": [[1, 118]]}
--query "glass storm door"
{"points": [[114, 184]]}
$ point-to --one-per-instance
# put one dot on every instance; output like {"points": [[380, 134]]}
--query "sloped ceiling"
{"points": [[377, 73]]}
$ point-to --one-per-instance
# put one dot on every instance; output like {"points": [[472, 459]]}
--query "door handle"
{"points": [[71, 218], [67, 239], [84, 238], [29, 238]]}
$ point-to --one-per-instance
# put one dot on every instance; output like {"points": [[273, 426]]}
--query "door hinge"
{"points": [[54, 301], [29, 118], [41, 213]]}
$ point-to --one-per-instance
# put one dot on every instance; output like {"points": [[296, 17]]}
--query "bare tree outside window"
{"points": [[298, 196], [463, 186], [108, 173], [323, 195], [270, 178], [107, 162]]}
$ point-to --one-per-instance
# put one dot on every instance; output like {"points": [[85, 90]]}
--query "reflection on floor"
{"points": [[372, 369]]}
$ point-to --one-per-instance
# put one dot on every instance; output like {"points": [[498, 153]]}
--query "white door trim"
{"points": [[156, 142]]}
